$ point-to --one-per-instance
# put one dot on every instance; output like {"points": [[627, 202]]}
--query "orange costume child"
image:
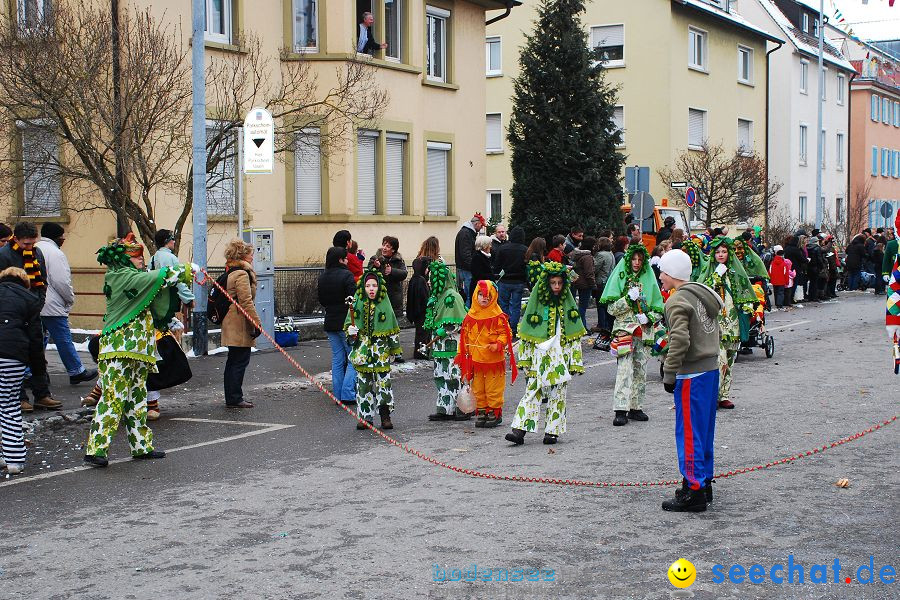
{"points": [[483, 343]]}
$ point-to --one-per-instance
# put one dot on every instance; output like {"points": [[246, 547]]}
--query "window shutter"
{"points": [[308, 174], [494, 134], [365, 173], [437, 180], [607, 35], [744, 142], [695, 127], [394, 159], [43, 193]]}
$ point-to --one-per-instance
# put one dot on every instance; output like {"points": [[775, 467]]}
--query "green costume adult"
{"points": [[698, 258], [136, 302], [750, 260], [372, 347], [636, 319], [444, 314], [733, 287], [549, 352]]}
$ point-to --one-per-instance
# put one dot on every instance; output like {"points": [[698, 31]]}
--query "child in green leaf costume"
{"points": [[725, 274], [549, 352], [137, 303], [374, 337], [444, 314], [632, 296]]}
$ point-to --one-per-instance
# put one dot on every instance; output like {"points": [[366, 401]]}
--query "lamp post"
{"points": [[198, 72]]}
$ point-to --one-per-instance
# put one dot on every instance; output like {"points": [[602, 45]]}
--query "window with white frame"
{"points": [[609, 42], [438, 174], [696, 128], [494, 133], [218, 21], [619, 122], [393, 29], [896, 162], [395, 145], [815, 30], [886, 110], [493, 57], [32, 12], [841, 85], [436, 21], [875, 104], [804, 76], [839, 209], [839, 152], [822, 140], [804, 23], [366, 174], [885, 162], [42, 188], [896, 114], [494, 204], [745, 64], [306, 25], [308, 172], [823, 82], [745, 136], [804, 143], [874, 161], [221, 148], [802, 209], [696, 48]]}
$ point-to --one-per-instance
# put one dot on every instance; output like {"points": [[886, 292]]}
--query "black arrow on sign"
{"points": [[259, 141]]}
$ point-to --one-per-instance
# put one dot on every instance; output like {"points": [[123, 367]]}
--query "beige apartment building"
{"points": [[416, 172], [688, 71]]}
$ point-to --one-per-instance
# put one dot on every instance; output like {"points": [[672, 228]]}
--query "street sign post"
{"points": [[259, 142], [690, 197]]}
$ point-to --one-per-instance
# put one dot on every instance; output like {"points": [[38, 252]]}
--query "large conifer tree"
{"points": [[565, 166]]}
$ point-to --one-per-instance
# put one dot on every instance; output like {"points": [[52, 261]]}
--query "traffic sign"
{"points": [[690, 197], [259, 142], [678, 184], [886, 210]]}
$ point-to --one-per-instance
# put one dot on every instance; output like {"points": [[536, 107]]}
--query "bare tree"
{"points": [[731, 187], [56, 76]]}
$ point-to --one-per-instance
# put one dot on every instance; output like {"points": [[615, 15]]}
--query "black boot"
{"points": [[385, 414], [153, 454], [689, 501], [707, 490], [481, 416], [549, 438], [637, 415], [95, 461], [621, 418], [516, 436]]}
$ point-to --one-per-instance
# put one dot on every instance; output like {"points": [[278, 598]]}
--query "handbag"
{"points": [[465, 400], [173, 365], [798, 294]]}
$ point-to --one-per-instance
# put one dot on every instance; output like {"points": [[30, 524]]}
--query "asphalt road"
{"points": [[288, 500]]}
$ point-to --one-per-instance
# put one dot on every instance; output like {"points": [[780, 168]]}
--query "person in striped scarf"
{"points": [[22, 253]]}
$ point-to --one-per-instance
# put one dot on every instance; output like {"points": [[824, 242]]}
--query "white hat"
{"points": [[777, 249], [676, 264]]}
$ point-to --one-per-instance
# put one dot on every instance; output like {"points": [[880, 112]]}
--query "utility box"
{"points": [[263, 242]]}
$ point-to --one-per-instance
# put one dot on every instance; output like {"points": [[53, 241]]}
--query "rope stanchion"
{"points": [[525, 478]]}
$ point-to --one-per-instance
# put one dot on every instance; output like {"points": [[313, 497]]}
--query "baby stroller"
{"points": [[756, 334]]}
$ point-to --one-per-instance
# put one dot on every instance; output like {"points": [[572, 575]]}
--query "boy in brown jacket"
{"points": [[691, 372]]}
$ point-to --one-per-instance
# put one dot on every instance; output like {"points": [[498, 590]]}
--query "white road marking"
{"points": [[266, 428], [600, 364], [787, 325]]}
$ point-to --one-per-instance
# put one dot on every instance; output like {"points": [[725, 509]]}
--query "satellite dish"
{"points": [[642, 205]]}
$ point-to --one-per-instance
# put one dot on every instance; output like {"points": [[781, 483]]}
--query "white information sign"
{"points": [[259, 142]]}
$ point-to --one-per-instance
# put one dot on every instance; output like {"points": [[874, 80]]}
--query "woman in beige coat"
{"points": [[239, 334]]}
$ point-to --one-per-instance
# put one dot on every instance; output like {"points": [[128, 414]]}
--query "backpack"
{"points": [[218, 303]]}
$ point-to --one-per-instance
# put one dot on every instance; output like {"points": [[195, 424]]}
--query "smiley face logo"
{"points": [[682, 573]]}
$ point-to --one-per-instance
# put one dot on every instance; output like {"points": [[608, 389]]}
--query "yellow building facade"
{"points": [[417, 171], [686, 71]]}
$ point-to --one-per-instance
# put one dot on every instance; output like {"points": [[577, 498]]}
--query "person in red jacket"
{"points": [[556, 253], [343, 239], [778, 275]]}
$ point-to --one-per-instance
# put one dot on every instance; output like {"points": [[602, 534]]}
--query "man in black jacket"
{"points": [[464, 250], [336, 284], [392, 266], [23, 253], [365, 43], [510, 269]]}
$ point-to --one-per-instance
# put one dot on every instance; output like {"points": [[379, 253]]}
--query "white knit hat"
{"points": [[676, 264], [777, 249]]}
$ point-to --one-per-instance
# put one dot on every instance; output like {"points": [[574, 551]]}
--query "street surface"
{"points": [[288, 500]]}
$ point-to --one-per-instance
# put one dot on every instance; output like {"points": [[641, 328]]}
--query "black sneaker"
{"points": [[620, 419], [438, 416], [638, 415], [461, 416], [516, 436], [549, 438], [95, 461], [150, 455], [689, 501], [86, 375], [399, 360], [707, 490]]}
